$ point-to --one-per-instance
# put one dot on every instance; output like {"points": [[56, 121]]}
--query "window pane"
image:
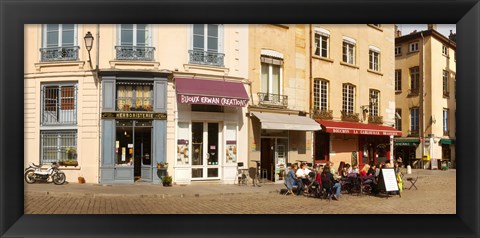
{"points": [[198, 29], [276, 79], [212, 30], [198, 42], [68, 37], [126, 34], [317, 44], [264, 87], [212, 44], [52, 39], [141, 37], [68, 98]]}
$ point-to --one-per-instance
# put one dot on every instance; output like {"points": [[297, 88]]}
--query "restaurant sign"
{"points": [[212, 100], [135, 115], [363, 132]]}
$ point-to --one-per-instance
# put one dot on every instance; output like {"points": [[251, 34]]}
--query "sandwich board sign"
{"points": [[387, 180]]}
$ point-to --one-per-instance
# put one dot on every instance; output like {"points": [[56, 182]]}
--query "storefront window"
{"points": [[182, 143], [231, 143], [132, 96], [124, 144]]}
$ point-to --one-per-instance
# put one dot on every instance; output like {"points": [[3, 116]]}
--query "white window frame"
{"points": [[350, 89], [322, 35], [413, 47], [134, 38], [445, 121], [278, 56], [205, 40], [348, 44], [417, 80], [444, 50], [60, 27], [59, 148], [398, 121], [321, 92], [374, 108], [398, 80], [374, 58]]}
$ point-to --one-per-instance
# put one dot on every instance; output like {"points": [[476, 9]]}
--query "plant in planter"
{"points": [[162, 165], [167, 181], [81, 179]]}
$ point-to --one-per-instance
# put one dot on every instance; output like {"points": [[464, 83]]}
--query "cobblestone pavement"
{"points": [[435, 195]]}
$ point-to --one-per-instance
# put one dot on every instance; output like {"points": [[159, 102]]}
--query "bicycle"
{"points": [[256, 180]]}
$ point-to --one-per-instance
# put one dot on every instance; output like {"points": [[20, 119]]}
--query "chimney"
{"points": [[453, 37], [398, 33], [432, 26]]}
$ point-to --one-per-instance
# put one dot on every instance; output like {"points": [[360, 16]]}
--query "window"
{"points": [[349, 50], [59, 104], [445, 122], [374, 102], [134, 96], [207, 42], [398, 51], [59, 42], [374, 59], [445, 84], [271, 81], [348, 98], [134, 42], [321, 42], [414, 121], [413, 47], [320, 95], [444, 50], [398, 119], [58, 146], [398, 80], [414, 80]]}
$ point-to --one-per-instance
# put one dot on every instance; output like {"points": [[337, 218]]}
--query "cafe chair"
{"points": [[242, 174], [412, 182]]}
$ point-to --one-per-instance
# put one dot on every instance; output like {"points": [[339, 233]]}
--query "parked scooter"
{"points": [[34, 173]]}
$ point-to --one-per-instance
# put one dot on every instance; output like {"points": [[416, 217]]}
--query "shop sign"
{"points": [[212, 100], [135, 115], [363, 132]]}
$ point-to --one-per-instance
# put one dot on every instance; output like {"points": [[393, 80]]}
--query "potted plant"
{"points": [[167, 181], [162, 165], [81, 179]]}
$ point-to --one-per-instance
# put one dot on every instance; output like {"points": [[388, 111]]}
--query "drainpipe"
{"points": [[422, 100], [310, 110], [99, 136]]}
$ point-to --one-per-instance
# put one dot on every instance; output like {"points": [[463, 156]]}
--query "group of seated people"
{"points": [[328, 178]]}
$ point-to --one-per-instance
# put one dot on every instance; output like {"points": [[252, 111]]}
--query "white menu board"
{"points": [[389, 179]]}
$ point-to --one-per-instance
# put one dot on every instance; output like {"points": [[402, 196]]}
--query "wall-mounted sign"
{"points": [[135, 115], [364, 132], [212, 100]]}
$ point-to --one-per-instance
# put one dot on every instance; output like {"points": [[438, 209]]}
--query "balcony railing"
{"points": [[206, 57], [348, 116], [59, 107], [143, 53], [59, 53], [323, 114], [413, 92], [272, 100], [375, 119], [412, 133]]}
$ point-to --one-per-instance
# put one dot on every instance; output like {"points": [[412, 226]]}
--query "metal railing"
{"points": [[144, 53], [272, 100], [375, 119], [59, 106], [59, 53], [58, 146], [323, 114], [206, 57], [350, 116]]}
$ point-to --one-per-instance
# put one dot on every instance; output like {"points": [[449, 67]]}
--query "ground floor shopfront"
{"points": [[210, 130], [278, 139], [437, 152], [357, 144], [133, 128]]}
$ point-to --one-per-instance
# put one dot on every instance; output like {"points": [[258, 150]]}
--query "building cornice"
{"points": [[435, 34]]}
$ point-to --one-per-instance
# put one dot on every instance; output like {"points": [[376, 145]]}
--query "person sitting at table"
{"points": [[292, 178], [302, 173], [364, 170], [328, 182], [372, 170], [340, 169], [348, 168]]}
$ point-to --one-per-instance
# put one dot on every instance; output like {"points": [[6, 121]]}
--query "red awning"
{"points": [[341, 127], [213, 92]]}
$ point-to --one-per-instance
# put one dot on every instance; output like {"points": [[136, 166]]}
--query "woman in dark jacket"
{"points": [[328, 182]]}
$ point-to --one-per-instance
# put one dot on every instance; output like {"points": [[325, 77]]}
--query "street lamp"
{"points": [[88, 45]]}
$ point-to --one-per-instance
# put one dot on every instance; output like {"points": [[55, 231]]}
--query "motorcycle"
{"points": [[34, 173]]}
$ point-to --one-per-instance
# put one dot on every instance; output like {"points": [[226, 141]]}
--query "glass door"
{"points": [[143, 150], [205, 148], [281, 158]]}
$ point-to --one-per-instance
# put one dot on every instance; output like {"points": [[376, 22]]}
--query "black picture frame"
{"points": [[14, 14]]}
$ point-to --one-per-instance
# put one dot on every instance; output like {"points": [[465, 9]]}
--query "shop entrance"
{"points": [[205, 156], [274, 156], [134, 147]]}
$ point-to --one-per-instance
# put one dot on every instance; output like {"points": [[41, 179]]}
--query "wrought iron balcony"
{"points": [[272, 100], [59, 53], [413, 92], [350, 116], [375, 119], [206, 57], [323, 114], [143, 53]]}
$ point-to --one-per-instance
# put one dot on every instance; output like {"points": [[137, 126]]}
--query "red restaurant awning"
{"points": [[212, 92], [341, 127]]}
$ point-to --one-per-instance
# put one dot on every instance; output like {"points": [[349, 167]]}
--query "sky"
{"points": [[442, 28]]}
